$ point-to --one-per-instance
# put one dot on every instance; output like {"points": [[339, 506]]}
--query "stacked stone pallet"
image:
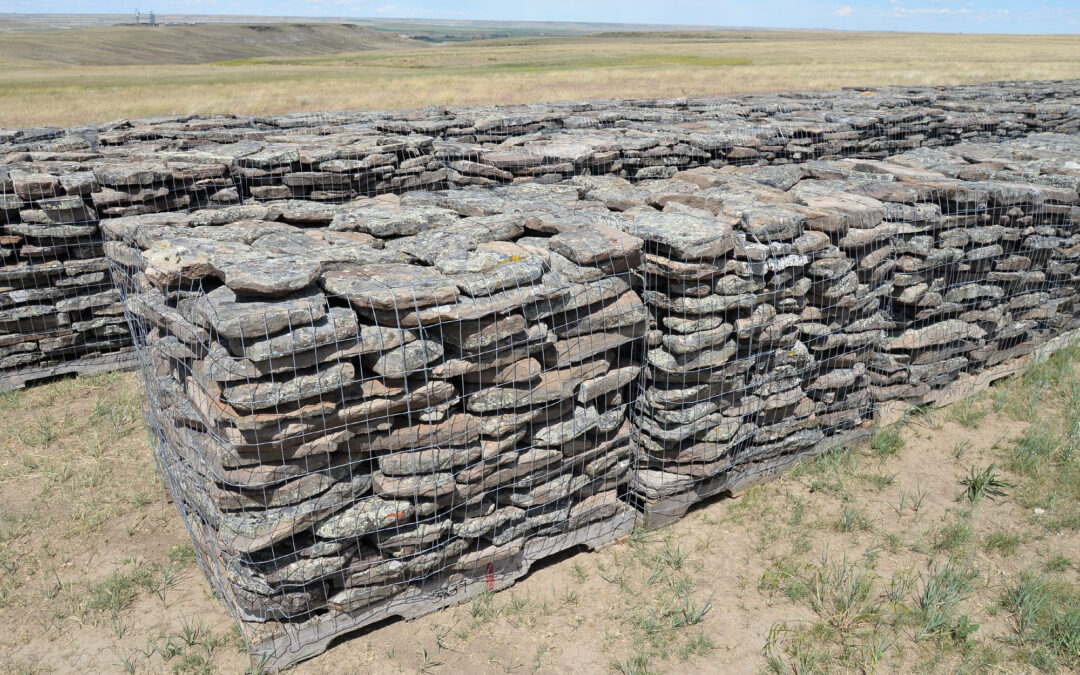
{"points": [[985, 269], [766, 298], [378, 407], [401, 400], [58, 306]]}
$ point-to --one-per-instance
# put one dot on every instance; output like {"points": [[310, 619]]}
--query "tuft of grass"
{"points": [[1002, 543], [954, 536], [887, 442], [853, 519], [118, 590], [969, 412], [841, 594], [943, 588], [482, 608], [1045, 617], [690, 613], [880, 481], [1057, 563], [637, 664], [699, 645]]}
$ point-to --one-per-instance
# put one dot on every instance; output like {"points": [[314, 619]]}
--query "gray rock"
{"points": [[365, 516], [236, 316], [390, 287]]}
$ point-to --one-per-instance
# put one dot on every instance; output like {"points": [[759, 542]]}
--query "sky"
{"points": [[969, 16]]}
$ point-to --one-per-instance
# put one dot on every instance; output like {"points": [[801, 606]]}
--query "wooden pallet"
{"points": [[124, 359], [656, 513], [274, 646]]}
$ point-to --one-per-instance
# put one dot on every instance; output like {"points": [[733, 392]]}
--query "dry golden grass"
{"points": [[532, 69]]}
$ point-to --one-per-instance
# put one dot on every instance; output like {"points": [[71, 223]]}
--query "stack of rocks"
{"points": [[381, 406], [984, 273], [336, 167], [57, 303], [764, 321], [404, 399]]}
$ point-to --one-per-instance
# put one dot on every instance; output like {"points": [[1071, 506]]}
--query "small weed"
{"points": [[852, 520], [874, 652], [119, 590], [841, 594], [903, 580], [1057, 563], [699, 645], [428, 662], [126, 662], [918, 498], [984, 483], [40, 431], [674, 558], [954, 536], [690, 613], [538, 657], [482, 609], [1026, 600], [801, 656], [578, 573], [960, 448], [183, 554], [926, 414], [634, 665], [892, 542], [880, 481], [1033, 450]]}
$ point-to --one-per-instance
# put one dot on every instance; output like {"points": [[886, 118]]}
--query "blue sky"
{"points": [[975, 16]]}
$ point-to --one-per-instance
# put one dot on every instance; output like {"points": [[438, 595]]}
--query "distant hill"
{"points": [[454, 29], [199, 43]]}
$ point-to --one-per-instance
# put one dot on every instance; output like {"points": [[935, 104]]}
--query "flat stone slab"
{"points": [[236, 316], [265, 274], [390, 287]]}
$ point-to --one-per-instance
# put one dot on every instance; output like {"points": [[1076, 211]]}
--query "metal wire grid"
{"points": [[393, 431], [773, 328]]}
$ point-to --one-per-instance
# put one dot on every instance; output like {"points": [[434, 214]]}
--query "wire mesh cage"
{"points": [[354, 432], [766, 314]]}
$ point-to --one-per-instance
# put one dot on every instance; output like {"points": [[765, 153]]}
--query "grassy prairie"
{"points": [[142, 46], [950, 543], [526, 69]]}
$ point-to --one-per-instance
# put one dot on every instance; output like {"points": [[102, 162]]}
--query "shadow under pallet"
{"points": [[661, 510]]}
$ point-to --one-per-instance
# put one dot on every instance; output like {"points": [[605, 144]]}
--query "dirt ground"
{"points": [[950, 544]]}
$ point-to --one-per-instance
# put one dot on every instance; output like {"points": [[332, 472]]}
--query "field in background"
{"points": [[517, 70], [948, 544], [164, 45]]}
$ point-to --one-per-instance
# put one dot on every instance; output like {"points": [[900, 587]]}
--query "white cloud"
{"points": [[929, 10], [843, 11]]}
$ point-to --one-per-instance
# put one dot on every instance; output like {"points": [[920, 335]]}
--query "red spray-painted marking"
{"points": [[489, 578]]}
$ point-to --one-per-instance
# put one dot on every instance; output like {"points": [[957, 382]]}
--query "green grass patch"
{"points": [[1045, 616]]}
